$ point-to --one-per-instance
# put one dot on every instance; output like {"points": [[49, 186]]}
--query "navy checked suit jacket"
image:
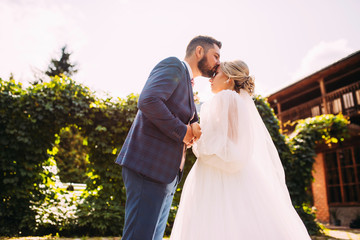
{"points": [[154, 145]]}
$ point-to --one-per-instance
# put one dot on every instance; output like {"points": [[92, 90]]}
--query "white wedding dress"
{"points": [[236, 188]]}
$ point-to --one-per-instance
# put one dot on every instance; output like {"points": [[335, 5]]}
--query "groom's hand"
{"points": [[188, 136], [196, 131]]}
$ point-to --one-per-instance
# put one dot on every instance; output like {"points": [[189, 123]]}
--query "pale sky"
{"points": [[116, 43]]}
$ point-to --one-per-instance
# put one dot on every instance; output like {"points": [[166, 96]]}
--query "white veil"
{"points": [[235, 139]]}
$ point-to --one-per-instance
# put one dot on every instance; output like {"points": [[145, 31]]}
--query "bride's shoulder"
{"points": [[227, 92], [219, 98], [230, 96]]}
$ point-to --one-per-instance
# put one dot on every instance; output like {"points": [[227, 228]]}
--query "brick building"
{"points": [[336, 171]]}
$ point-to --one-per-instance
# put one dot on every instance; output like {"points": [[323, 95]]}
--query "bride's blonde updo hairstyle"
{"points": [[239, 72]]}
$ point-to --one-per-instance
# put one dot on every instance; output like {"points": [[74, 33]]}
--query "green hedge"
{"points": [[31, 120]]}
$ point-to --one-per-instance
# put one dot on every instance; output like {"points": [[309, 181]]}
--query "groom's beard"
{"points": [[205, 69]]}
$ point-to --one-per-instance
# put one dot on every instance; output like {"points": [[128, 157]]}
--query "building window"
{"points": [[348, 100], [342, 175], [358, 96], [328, 107], [315, 111], [336, 106]]}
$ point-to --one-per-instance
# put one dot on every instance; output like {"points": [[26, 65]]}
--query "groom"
{"points": [[153, 154]]}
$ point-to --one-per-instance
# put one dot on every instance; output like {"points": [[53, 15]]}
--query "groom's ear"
{"points": [[199, 52]]}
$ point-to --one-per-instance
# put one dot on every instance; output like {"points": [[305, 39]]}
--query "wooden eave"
{"points": [[308, 82]]}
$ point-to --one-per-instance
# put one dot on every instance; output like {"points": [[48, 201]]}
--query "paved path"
{"points": [[340, 233]]}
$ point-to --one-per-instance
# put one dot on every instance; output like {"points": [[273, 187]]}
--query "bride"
{"points": [[236, 188]]}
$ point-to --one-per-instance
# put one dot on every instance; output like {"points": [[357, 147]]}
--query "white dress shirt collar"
{"points": [[189, 69]]}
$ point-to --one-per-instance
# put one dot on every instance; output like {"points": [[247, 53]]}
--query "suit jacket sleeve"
{"points": [[196, 118], [162, 82]]}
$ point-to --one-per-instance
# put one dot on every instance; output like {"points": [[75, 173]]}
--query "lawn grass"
{"points": [[329, 234]]}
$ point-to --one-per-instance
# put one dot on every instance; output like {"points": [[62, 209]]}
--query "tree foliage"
{"points": [[62, 65]]}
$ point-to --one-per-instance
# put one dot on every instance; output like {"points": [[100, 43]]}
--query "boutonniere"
{"points": [[196, 98]]}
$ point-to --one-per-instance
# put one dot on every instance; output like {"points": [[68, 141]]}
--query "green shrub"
{"points": [[29, 119]]}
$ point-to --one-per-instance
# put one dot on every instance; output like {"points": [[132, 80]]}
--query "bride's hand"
{"points": [[196, 129]]}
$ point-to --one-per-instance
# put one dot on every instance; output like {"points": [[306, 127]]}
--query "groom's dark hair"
{"points": [[205, 42]]}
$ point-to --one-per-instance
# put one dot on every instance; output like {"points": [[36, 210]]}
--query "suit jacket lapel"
{"points": [[191, 94]]}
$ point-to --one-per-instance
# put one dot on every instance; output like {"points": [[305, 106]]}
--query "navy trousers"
{"points": [[147, 206]]}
